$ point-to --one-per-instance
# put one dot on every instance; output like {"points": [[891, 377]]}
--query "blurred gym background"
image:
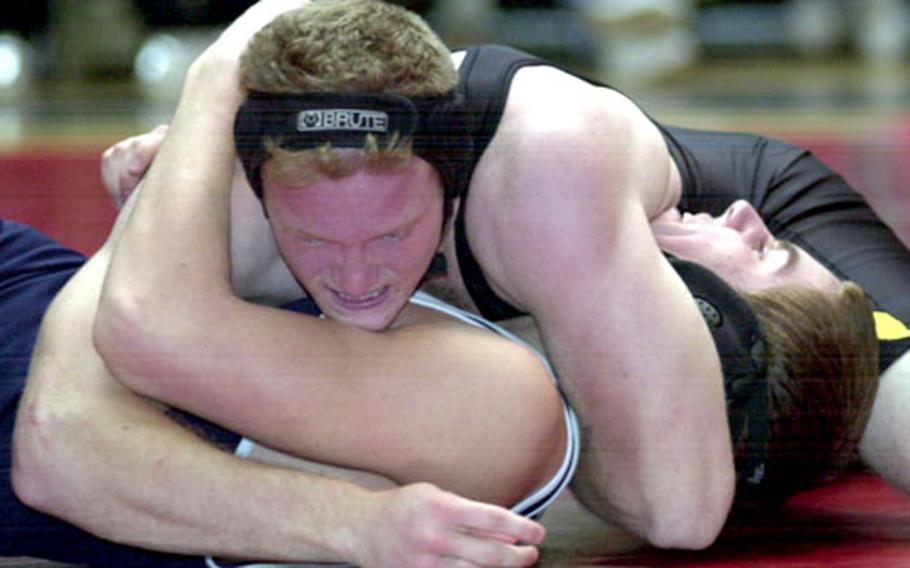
{"points": [[77, 75]]}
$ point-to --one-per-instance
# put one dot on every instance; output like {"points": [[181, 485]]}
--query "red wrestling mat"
{"points": [[857, 522], [58, 192]]}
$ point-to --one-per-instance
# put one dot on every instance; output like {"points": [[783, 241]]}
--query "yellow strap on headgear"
{"points": [[889, 328]]}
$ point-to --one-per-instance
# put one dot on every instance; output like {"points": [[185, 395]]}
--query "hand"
{"points": [[124, 163], [420, 526]]}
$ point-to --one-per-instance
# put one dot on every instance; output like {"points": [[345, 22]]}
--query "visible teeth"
{"points": [[361, 299]]}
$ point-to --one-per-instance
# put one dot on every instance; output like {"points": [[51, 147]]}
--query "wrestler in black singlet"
{"points": [[799, 197]]}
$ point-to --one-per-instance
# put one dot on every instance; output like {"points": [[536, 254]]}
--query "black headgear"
{"points": [[440, 131], [741, 347]]}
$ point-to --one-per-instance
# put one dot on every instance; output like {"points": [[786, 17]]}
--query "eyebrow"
{"points": [[404, 226]]}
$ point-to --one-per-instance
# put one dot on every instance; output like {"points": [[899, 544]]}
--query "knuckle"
{"points": [[428, 538]]}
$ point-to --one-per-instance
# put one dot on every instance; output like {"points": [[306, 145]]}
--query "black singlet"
{"points": [[798, 196]]}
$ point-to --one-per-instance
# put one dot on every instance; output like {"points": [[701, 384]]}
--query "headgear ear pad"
{"points": [[740, 345]]}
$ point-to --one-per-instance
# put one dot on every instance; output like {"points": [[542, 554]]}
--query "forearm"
{"points": [[637, 361], [658, 458], [176, 245], [96, 455], [169, 283], [170, 491], [633, 352], [172, 258], [174, 249]]}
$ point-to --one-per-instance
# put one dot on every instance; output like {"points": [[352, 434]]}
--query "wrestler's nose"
{"points": [[746, 220], [356, 274]]}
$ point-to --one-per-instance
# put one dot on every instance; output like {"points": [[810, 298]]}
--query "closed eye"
{"points": [[395, 236], [310, 240], [300, 236], [782, 252]]}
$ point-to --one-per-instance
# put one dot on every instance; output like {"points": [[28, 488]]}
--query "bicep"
{"points": [[584, 262], [615, 308]]}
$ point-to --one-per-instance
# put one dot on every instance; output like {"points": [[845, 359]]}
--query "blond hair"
{"points": [[302, 167], [823, 376], [346, 46]]}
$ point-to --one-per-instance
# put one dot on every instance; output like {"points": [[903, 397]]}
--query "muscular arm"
{"points": [[632, 351], [91, 452], [171, 328], [95, 454]]}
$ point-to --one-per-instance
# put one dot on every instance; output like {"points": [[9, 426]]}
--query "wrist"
{"points": [[350, 540], [215, 83]]}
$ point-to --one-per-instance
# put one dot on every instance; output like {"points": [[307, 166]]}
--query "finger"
{"points": [[127, 184], [141, 156], [108, 175], [491, 552], [112, 178], [492, 520], [456, 563], [491, 535], [139, 162]]}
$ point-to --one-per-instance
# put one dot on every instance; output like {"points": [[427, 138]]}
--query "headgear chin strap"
{"points": [[439, 131], [741, 347]]}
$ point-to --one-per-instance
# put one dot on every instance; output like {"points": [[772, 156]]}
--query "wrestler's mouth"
{"points": [[362, 302]]}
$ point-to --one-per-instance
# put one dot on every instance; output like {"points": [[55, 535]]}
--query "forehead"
{"points": [[365, 198]]}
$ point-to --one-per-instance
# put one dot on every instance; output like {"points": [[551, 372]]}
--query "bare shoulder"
{"points": [[570, 163], [559, 131], [544, 99]]}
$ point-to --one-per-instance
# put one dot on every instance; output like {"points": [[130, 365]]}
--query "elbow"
{"points": [[33, 484], [55, 458], [116, 326], [659, 504], [691, 533], [127, 336], [39, 457], [694, 520], [30, 481]]}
